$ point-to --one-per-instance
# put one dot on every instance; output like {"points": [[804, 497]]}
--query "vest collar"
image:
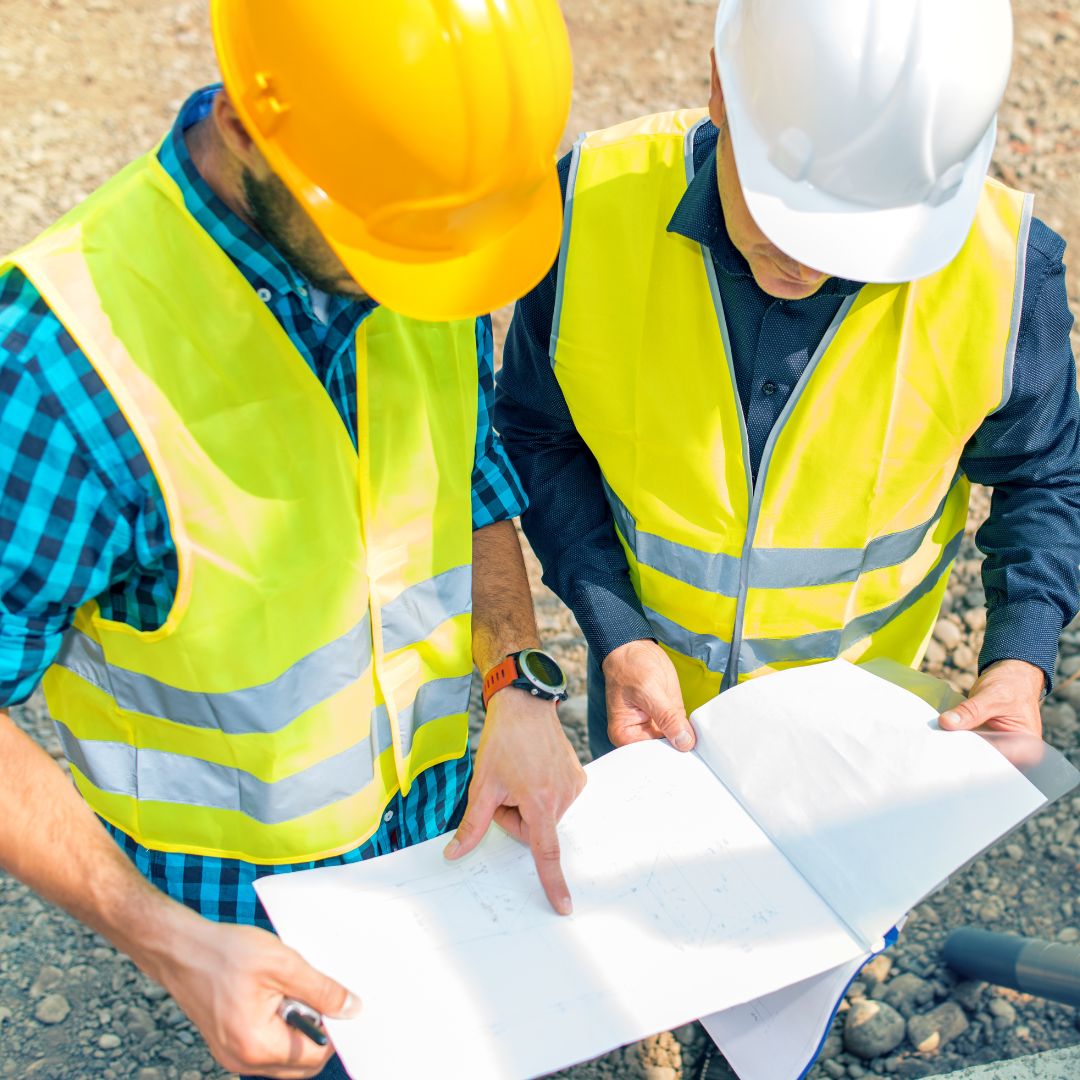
{"points": [[700, 217]]}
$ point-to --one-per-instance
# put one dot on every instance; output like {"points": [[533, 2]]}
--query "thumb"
{"points": [[319, 991], [483, 802], [969, 714], [672, 723]]}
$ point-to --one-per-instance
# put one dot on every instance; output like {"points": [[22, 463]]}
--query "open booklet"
{"points": [[747, 880]]}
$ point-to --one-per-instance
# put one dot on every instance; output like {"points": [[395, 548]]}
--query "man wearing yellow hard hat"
{"points": [[255, 522], [782, 336]]}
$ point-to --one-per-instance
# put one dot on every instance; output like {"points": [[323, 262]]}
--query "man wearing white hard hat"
{"points": [[782, 338]]}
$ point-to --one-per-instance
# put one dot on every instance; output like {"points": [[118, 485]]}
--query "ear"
{"points": [[233, 134], [717, 112]]}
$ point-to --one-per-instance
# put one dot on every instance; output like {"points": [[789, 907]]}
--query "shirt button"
{"points": [[768, 388], [388, 816], [264, 294]]}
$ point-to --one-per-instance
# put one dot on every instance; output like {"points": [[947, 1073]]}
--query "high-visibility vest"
{"points": [[843, 545], [317, 657]]}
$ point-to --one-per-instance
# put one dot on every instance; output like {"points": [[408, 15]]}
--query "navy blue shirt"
{"points": [[1029, 450]]}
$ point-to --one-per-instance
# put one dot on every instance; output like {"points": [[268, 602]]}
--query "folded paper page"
{"points": [[681, 907], [755, 874], [853, 780]]}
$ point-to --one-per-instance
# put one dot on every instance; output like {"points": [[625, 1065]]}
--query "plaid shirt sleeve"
{"points": [[70, 504], [497, 493]]}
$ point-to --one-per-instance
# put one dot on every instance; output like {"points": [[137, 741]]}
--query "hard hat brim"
{"points": [[852, 240], [440, 288]]}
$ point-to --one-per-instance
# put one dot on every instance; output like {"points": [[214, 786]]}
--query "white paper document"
{"points": [[809, 820]]}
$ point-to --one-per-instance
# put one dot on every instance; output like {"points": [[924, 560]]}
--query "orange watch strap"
{"points": [[499, 676]]}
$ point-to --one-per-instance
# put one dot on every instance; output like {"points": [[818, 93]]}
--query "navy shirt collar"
{"points": [[700, 217]]}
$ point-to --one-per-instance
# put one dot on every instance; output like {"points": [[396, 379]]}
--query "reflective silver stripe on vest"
{"points": [[713, 572], [413, 614], [711, 651], [408, 618], [770, 568], [790, 568], [828, 644], [1018, 301], [434, 700], [568, 217], [265, 709], [160, 776]]}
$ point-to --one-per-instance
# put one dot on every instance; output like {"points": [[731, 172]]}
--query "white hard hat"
{"points": [[863, 129]]}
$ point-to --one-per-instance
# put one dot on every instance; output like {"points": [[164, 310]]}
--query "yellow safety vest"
{"points": [[317, 656], [844, 544]]}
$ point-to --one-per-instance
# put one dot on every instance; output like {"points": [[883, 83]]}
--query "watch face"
{"points": [[542, 669]]}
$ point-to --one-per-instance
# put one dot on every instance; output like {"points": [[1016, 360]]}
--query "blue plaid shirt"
{"points": [[82, 517]]}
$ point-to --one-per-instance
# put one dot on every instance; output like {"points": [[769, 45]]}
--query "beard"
{"points": [[280, 219]]}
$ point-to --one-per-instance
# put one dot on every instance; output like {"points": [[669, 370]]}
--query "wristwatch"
{"points": [[531, 670]]}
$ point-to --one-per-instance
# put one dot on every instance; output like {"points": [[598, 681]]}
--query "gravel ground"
{"points": [[84, 88]]}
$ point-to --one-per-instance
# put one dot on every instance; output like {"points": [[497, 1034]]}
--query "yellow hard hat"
{"points": [[419, 135]]}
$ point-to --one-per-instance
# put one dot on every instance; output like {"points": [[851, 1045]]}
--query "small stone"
{"points": [[1069, 934], [876, 970], [1003, 1012], [963, 657], [659, 1072], [1069, 666], [150, 1074], [948, 633], [907, 992], [109, 1041], [191, 1074], [872, 1028], [969, 993], [52, 1009], [975, 618], [48, 979], [833, 1047], [139, 1022], [834, 1069], [5, 1013], [935, 654], [1015, 852], [574, 712], [931, 1031]]}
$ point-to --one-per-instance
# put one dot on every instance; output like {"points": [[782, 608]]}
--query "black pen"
{"points": [[305, 1019]]}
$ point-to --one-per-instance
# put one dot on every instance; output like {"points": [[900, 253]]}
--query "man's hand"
{"points": [[231, 981], [1005, 698], [643, 697], [527, 775]]}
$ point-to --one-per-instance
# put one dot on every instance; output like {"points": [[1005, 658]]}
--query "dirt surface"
{"points": [[84, 87]]}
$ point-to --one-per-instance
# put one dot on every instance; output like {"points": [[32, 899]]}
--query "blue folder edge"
{"points": [[890, 939]]}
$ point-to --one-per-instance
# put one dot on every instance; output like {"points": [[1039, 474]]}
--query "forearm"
{"points": [[53, 843], [503, 617], [1028, 451], [1030, 575]]}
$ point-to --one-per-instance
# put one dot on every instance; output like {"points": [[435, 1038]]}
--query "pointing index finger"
{"points": [[544, 843]]}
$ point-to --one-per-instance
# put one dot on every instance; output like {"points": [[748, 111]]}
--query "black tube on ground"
{"points": [[1043, 968]]}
